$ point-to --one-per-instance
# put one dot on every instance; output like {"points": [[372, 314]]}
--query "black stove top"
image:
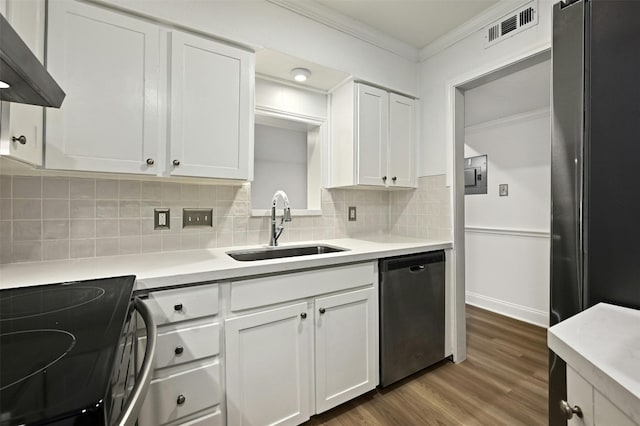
{"points": [[58, 345]]}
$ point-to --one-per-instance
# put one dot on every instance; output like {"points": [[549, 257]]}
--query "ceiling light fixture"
{"points": [[300, 74], [4, 85]]}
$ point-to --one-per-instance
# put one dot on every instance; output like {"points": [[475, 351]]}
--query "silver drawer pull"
{"points": [[21, 139], [177, 307], [179, 350], [181, 399]]}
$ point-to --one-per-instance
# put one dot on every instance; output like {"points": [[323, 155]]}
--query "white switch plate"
{"points": [[352, 214], [503, 189], [161, 219]]}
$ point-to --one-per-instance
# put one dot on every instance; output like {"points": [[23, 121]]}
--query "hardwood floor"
{"points": [[502, 382]]}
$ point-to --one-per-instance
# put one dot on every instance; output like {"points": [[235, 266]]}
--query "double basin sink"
{"points": [[265, 253]]}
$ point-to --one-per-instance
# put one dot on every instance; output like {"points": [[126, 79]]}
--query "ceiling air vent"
{"points": [[520, 19]]}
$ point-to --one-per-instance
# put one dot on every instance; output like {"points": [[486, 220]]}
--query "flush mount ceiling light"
{"points": [[300, 74], [4, 85]]}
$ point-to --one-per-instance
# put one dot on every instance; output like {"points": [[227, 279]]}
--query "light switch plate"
{"points": [[503, 189], [352, 214], [161, 219], [197, 217]]}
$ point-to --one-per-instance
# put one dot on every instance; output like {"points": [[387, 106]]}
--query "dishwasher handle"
{"points": [[417, 268], [419, 261], [129, 414]]}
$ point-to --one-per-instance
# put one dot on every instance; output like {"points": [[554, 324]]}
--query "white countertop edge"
{"points": [[157, 270], [620, 389]]}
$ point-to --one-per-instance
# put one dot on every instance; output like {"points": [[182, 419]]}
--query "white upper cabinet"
{"points": [[372, 137], [108, 64], [144, 99], [21, 124], [211, 118]]}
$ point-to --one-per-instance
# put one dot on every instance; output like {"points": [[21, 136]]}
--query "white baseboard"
{"points": [[519, 312]]}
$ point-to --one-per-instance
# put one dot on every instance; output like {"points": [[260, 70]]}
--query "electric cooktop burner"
{"points": [[48, 301], [58, 346], [17, 369]]}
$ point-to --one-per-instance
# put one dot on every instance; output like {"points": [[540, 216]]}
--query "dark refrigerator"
{"points": [[595, 165]]}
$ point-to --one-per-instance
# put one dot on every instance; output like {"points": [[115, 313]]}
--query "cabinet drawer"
{"points": [[200, 389], [299, 285], [213, 419], [186, 344], [183, 303]]}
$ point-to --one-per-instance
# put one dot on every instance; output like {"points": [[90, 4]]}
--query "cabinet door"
{"points": [[346, 347], [580, 393], [211, 113], [372, 124], [401, 147], [269, 374], [27, 18], [108, 65]]}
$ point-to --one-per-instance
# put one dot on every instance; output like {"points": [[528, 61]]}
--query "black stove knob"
{"points": [[181, 399], [179, 350], [177, 306]]}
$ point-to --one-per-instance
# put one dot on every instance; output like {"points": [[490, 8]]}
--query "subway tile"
{"points": [[129, 208], [147, 208], [55, 187], [82, 189], [170, 242], [207, 194], [6, 210], [6, 252], [27, 230], [27, 187], [82, 248], [147, 227], [129, 189], [129, 227], [106, 228], [24, 209], [55, 209], [82, 228], [55, 250], [27, 251], [150, 243], [170, 191], [5, 230], [106, 189], [107, 246], [189, 241], [189, 192], [107, 208], [151, 191], [5, 186], [82, 209], [55, 229]]}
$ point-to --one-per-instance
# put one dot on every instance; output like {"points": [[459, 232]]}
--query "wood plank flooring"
{"points": [[502, 382]]}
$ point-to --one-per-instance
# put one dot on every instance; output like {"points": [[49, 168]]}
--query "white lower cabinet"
{"points": [[346, 347], [596, 409], [268, 357], [287, 363]]}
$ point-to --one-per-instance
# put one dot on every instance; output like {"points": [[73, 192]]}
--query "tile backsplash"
{"points": [[56, 217]]}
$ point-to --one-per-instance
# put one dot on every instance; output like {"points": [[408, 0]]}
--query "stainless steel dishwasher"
{"points": [[411, 314]]}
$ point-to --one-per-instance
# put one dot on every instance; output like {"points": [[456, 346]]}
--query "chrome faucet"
{"points": [[286, 217]]}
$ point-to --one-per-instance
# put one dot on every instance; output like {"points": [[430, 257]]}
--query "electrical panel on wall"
{"points": [[520, 19], [475, 175]]}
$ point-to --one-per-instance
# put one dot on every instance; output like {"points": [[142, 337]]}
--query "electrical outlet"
{"points": [[197, 217], [352, 214], [161, 219], [503, 189]]}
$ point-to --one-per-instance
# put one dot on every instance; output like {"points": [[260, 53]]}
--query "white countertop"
{"points": [[602, 344], [156, 270]]}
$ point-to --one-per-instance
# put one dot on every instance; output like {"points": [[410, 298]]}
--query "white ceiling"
{"points": [[415, 22]]}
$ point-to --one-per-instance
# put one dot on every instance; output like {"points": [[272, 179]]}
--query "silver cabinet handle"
{"points": [[322, 310], [150, 161], [181, 399], [178, 350], [22, 139], [384, 178], [569, 411], [177, 307], [176, 162], [303, 315], [394, 179]]}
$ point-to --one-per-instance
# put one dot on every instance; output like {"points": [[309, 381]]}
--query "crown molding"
{"points": [[474, 24], [327, 16]]}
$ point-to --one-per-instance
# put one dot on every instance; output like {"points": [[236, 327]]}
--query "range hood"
{"points": [[28, 80]]}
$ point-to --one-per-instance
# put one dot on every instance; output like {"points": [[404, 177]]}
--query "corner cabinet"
{"points": [[372, 137], [145, 99], [21, 124], [288, 362]]}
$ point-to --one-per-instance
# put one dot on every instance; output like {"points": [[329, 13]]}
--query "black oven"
{"points": [[68, 354]]}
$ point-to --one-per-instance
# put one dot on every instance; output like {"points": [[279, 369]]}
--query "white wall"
{"points": [[280, 162], [276, 97], [460, 59], [259, 24], [507, 238]]}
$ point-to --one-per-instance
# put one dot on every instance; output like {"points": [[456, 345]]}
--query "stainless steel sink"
{"points": [[280, 252]]}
